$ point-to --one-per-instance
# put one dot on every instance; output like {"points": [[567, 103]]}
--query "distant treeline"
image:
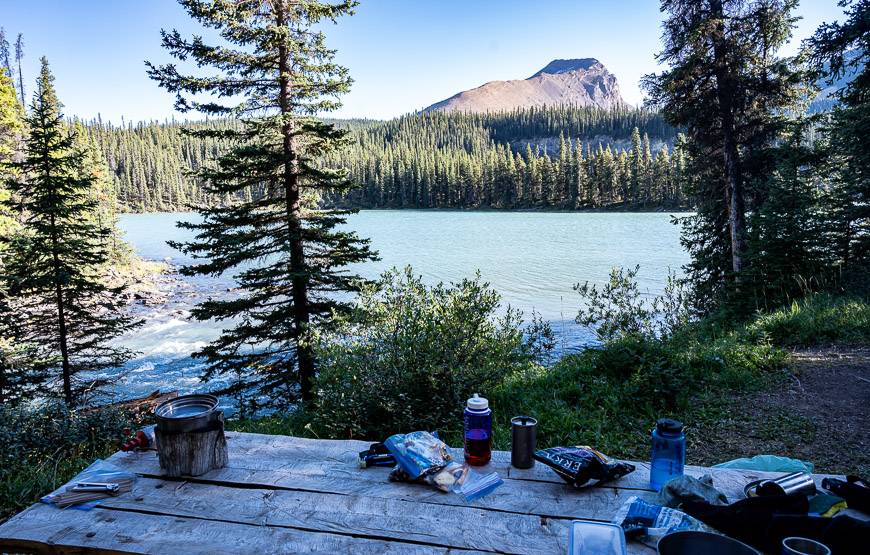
{"points": [[560, 158], [438, 160]]}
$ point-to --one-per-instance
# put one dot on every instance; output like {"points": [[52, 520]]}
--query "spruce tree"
{"points": [[21, 372], [53, 268], [837, 50], [730, 92], [634, 186], [289, 255], [4, 53], [19, 55]]}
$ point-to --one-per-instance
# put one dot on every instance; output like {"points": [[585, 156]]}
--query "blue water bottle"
{"points": [[668, 452], [478, 431]]}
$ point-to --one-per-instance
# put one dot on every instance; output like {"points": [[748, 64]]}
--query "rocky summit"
{"points": [[577, 82]]}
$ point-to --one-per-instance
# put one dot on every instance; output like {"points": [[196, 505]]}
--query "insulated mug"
{"points": [[790, 484], [803, 546], [523, 439]]}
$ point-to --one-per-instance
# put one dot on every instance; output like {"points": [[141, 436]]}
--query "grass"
{"points": [[819, 319]]}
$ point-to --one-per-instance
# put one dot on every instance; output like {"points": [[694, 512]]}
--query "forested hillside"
{"points": [[562, 158]]}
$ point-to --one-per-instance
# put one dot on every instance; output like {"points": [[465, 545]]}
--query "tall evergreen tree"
{"points": [[20, 372], [4, 53], [19, 55], [729, 90], [837, 50], [289, 255], [53, 268]]}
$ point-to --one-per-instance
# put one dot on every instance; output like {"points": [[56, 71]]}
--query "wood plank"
{"points": [[273, 453], [281, 494], [461, 527], [266, 452], [548, 499], [45, 529]]}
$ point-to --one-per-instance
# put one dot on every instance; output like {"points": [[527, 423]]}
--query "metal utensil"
{"points": [[106, 487], [187, 413]]}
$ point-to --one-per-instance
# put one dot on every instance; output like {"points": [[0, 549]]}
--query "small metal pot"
{"points": [[187, 413], [803, 546]]}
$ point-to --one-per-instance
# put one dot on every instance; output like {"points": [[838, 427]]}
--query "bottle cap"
{"points": [[669, 426], [478, 403]]}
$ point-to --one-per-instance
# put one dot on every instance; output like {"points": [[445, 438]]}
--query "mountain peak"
{"points": [[575, 82], [564, 66]]}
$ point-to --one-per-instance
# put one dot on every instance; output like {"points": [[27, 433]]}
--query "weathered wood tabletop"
{"points": [[289, 495]]}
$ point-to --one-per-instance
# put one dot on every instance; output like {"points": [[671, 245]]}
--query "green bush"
{"points": [[45, 446], [412, 354], [815, 320], [418, 352]]}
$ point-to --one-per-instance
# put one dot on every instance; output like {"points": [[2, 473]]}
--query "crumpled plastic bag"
{"points": [[687, 488], [422, 457], [581, 466], [418, 453], [768, 463], [648, 523]]}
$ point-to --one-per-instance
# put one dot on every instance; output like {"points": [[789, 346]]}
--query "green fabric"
{"points": [[687, 488]]}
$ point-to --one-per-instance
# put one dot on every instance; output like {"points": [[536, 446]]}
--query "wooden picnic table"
{"points": [[284, 494]]}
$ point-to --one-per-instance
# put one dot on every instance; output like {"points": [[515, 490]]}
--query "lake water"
{"points": [[532, 259]]}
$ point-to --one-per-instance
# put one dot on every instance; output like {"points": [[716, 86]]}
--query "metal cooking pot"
{"points": [[691, 542], [187, 413]]}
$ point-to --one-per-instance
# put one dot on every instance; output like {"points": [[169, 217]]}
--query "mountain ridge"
{"points": [[575, 81]]}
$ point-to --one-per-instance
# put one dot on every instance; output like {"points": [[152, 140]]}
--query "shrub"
{"points": [[619, 308], [45, 446], [411, 355]]}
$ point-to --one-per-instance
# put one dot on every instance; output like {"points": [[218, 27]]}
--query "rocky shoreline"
{"points": [[146, 283]]}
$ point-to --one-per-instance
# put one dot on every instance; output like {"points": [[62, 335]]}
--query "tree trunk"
{"points": [[299, 281], [21, 83], [61, 317], [733, 179]]}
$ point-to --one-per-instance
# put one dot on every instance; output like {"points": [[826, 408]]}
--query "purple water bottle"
{"points": [[478, 431]]}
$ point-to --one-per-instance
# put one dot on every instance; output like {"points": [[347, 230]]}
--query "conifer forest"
{"points": [[563, 158]]}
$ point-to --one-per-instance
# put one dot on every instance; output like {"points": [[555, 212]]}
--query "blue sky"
{"points": [[403, 54]]}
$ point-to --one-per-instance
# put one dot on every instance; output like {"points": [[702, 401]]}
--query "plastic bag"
{"points": [[581, 465], [422, 457], [418, 454], [99, 471], [647, 522], [473, 485], [769, 463]]}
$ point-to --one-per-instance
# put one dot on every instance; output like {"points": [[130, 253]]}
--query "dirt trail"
{"points": [[821, 414]]}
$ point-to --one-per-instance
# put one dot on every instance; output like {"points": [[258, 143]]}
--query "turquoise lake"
{"points": [[532, 259]]}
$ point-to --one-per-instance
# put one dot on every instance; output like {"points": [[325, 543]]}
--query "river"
{"points": [[531, 258]]}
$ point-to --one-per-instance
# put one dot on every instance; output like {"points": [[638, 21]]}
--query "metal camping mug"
{"points": [[790, 484], [803, 546], [524, 431]]}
